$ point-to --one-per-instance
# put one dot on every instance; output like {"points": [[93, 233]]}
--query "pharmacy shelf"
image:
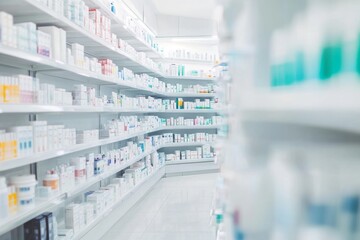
{"points": [[23, 216], [35, 12], [199, 111], [189, 161], [188, 61], [193, 127], [23, 161], [191, 168], [34, 108], [330, 107], [182, 111], [153, 92], [191, 95], [190, 78], [90, 182], [120, 29], [142, 187], [43, 205], [20, 59], [16, 58], [127, 164], [192, 111], [137, 42], [184, 144], [13, 57]]}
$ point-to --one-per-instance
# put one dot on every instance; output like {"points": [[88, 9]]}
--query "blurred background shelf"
{"points": [[333, 108], [187, 161]]}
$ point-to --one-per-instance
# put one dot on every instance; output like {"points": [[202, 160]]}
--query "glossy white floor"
{"points": [[177, 208]]}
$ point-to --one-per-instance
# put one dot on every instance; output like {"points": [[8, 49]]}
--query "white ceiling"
{"points": [[186, 8]]}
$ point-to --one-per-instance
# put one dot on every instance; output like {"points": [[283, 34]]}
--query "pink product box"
{"points": [[44, 44], [106, 28], [95, 16], [106, 69], [105, 61]]}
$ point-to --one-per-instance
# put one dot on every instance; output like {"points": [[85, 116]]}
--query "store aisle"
{"points": [[177, 208]]}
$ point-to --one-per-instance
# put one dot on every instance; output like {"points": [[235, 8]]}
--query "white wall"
{"points": [[184, 26], [169, 25], [145, 11]]}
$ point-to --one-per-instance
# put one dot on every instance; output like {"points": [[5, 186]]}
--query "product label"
{"points": [[54, 184], [2, 93], [80, 173], [7, 91], [16, 93], [24, 189], [2, 151], [12, 199], [14, 149], [25, 202]]}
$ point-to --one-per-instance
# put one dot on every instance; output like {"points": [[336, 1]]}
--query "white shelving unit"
{"points": [[14, 163], [330, 107], [15, 61], [120, 208], [17, 58], [33, 108], [23, 108], [191, 78], [75, 34], [48, 204], [187, 161], [298, 126], [193, 166], [188, 61], [120, 29]]}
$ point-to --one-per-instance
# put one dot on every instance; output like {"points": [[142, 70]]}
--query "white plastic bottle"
{"points": [[4, 204]]}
